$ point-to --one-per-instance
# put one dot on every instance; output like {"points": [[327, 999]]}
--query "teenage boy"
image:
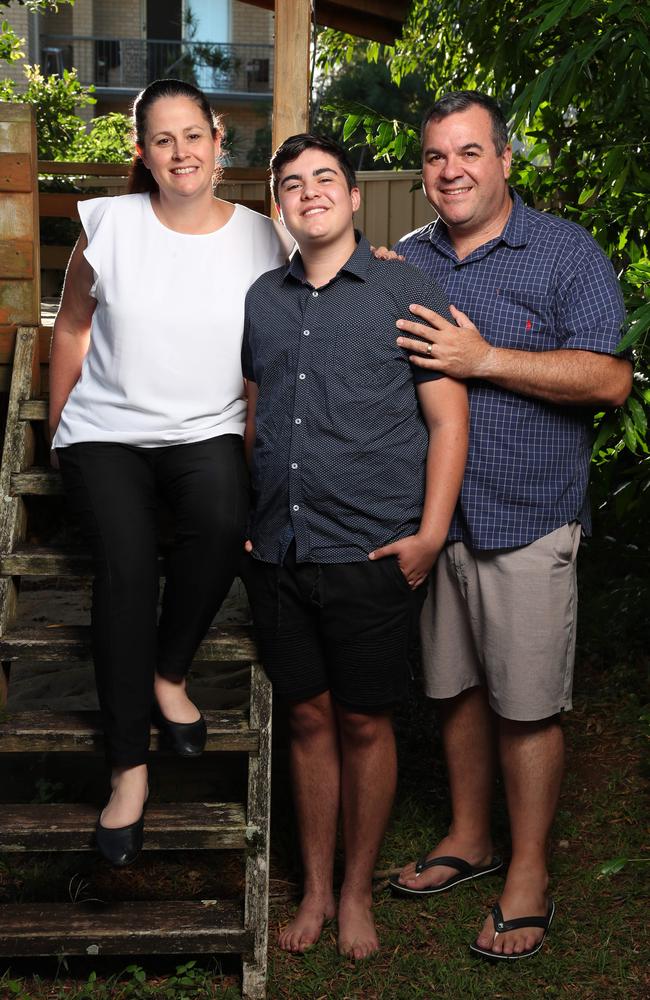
{"points": [[356, 464]]}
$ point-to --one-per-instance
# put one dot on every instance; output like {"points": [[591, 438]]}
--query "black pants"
{"points": [[114, 490]]}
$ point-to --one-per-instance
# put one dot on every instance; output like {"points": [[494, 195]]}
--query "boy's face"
{"points": [[315, 203]]}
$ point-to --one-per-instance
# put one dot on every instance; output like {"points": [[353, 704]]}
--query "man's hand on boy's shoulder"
{"points": [[415, 556], [383, 253]]}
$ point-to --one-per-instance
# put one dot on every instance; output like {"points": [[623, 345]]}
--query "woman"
{"points": [[146, 401]]}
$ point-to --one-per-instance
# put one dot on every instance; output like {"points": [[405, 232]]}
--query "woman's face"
{"points": [[179, 147]]}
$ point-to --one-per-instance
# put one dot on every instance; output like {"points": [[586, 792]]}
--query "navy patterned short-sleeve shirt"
{"points": [[340, 447], [543, 285]]}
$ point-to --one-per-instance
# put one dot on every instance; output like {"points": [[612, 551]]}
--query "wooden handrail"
{"points": [[122, 170]]}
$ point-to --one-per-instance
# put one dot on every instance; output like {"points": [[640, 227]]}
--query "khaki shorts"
{"points": [[506, 619]]}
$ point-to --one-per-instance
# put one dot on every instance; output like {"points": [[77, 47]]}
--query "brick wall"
{"points": [[120, 18], [58, 24], [245, 120], [250, 25], [18, 18]]}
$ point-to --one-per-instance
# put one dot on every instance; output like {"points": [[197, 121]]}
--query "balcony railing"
{"points": [[131, 63]]}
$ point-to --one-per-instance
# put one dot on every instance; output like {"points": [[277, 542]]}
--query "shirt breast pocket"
{"points": [[522, 320], [360, 357]]}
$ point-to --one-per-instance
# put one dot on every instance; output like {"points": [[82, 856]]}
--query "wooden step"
{"points": [[33, 409], [163, 928], [38, 482], [41, 561], [72, 643], [31, 560], [71, 827], [34, 732]]}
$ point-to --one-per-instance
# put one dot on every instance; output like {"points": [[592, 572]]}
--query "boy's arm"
{"points": [[444, 407]]}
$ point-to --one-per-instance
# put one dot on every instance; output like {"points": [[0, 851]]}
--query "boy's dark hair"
{"points": [[461, 100], [291, 149]]}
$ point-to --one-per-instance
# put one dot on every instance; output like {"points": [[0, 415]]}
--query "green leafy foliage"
{"points": [[108, 140], [61, 133], [384, 141], [573, 77], [11, 46]]}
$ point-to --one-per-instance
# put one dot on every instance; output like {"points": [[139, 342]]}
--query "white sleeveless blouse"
{"points": [[164, 362]]}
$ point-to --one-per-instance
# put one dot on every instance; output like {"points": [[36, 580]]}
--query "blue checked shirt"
{"points": [[542, 285], [340, 446]]}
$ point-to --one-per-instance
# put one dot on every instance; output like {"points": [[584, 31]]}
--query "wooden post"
{"points": [[20, 289], [20, 304], [291, 70], [256, 908]]}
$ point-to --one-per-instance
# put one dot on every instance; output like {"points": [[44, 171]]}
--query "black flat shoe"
{"points": [[121, 845], [187, 739]]}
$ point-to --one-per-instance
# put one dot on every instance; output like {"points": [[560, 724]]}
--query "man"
{"points": [[499, 628], [356, 467]]}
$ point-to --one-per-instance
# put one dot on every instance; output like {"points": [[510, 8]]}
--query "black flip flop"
{"points": [[501, 926], [466, 872]]}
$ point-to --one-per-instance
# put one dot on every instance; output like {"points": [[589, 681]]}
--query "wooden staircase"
{"points": [[143, 928]]}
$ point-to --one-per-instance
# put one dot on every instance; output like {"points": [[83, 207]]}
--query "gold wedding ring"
{"points": [[429, 349]]}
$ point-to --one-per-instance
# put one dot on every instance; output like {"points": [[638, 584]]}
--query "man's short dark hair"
{"points": [[291, 149], [461, 100]]}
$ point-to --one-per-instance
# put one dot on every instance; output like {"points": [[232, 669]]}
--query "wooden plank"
{"points": [[17, 301], [60, 206], [72, 732], [400, 210], [18, 452], [40, 482], [16, 172], [17, 259], [71, 827], [16, 112], [165, 928], [233, 643], [70, 168], [256, 908], [55, 258], [377, 212], [33, 409], [8, 344], [423, 212], [28, 561]]}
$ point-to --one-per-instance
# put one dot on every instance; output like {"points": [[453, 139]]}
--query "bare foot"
{"points": [[173, 701], [357, 934], [305, 928], [127, 799], [524, 895], [476, 854]]}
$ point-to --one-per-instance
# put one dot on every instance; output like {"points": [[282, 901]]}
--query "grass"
{"points": [[598, 947]]}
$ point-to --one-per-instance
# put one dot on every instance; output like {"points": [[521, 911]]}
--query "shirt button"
{"points": [[305, 333], [296, 507], [294, 465], [315, 295], [297, 420], [302, 376]]}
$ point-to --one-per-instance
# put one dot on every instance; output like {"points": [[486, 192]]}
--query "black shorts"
{"points": [[343, 627]]}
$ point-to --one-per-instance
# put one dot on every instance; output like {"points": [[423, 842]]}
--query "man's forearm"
{"points": [[579, 378]]}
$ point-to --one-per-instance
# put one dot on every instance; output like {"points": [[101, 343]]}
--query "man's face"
{"points": [[463, 176], [315, 202]]}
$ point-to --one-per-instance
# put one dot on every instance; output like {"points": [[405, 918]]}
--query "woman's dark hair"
{"points": [[461, 100], [291, 149], [140, 177]]}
